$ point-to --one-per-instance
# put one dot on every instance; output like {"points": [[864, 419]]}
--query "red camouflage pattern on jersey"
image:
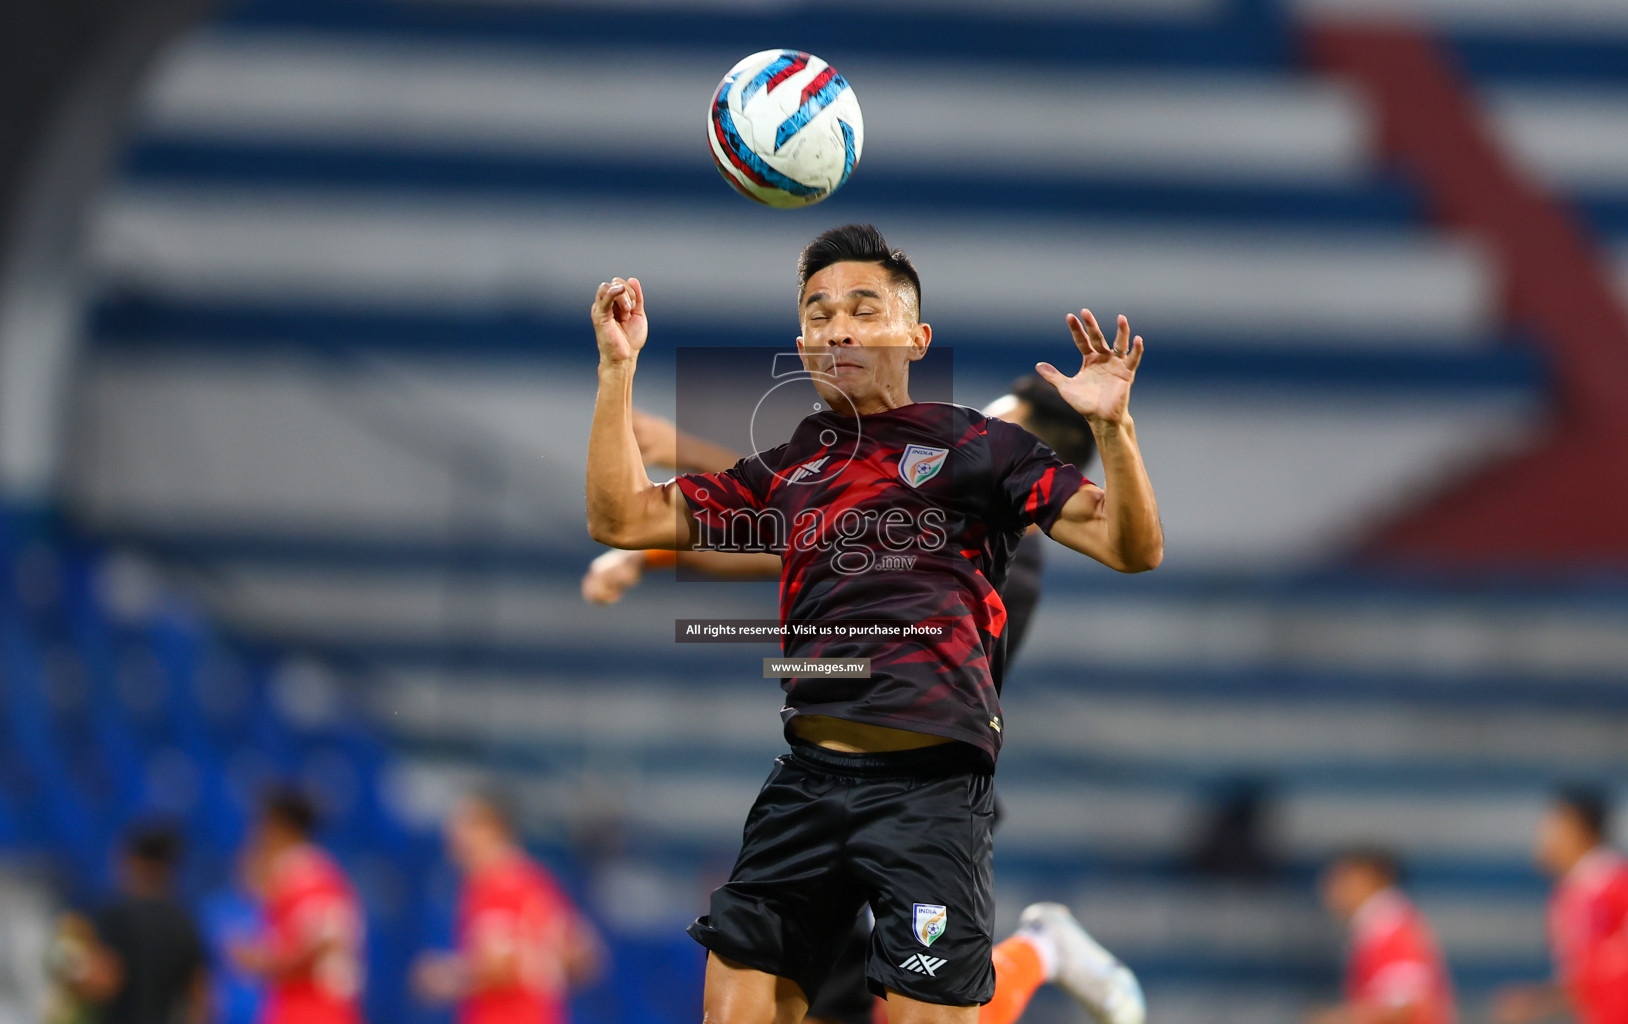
{"points": [[859, 542]]}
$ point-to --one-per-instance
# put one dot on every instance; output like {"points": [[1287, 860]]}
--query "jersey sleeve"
{"points": [[727, 505], [1033, 484]]}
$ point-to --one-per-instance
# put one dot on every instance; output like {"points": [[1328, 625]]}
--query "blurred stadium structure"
{"points": [[293, 409]]}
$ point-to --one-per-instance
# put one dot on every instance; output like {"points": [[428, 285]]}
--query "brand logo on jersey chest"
{"points": [[920, 463], [809, 469]]}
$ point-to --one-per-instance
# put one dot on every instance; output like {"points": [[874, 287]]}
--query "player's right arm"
{"points": [[625, 509]]}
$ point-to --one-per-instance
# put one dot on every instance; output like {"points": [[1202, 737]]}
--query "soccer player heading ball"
{"points": [[886, 795]]}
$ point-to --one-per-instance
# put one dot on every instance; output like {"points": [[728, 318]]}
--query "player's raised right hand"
{"points": [[619, 321]]}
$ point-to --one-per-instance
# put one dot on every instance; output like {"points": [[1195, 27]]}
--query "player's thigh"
{"points": [[927, 860], [737, 994], [901, 1009]]}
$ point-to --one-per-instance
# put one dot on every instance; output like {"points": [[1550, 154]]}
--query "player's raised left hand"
{"points": [[1101, 391]]}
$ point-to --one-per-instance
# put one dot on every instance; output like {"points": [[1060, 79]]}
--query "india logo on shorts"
{"points": [[920, 463], [931, 920]]}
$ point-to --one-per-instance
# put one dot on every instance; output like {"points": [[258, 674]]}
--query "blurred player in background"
{"points": [[310, 955], [1395, 973], [156, 971], [872, 804], [76, 972], [521, 944], [1588, 918]]}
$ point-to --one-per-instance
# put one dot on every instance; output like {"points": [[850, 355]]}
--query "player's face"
{"points": [[860, 335], [1347, 885], [462, 836], [1334, 887], [1561, 840], [472, 835], [270, 837]]}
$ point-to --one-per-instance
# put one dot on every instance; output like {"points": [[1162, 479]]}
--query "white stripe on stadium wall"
{"points": [[927, 117], [1218, 734], [734, 265], [1053, 818], [1420, 639], [1544, 17], [271, 445], [1172, 917], [1247, 734], [1573, 138]]}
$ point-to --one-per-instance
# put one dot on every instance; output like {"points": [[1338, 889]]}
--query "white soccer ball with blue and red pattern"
{"points": [[785, 128]]}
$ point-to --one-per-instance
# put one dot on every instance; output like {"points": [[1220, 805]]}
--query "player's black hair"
{"points": [[292, 809], [158, 845], [1377, 859], [1589, 806], [1054, 421], [856, 243]]}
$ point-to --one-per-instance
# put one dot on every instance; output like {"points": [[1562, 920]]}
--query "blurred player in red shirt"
{"points": [[310, 954], [1395, 973], [1588, 919], [521, 943]]}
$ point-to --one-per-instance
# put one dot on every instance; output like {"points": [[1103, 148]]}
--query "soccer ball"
{"points": [[785, 128]]}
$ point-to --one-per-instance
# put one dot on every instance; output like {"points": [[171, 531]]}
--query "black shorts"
{"points": [[843, 995], [908, 832]]}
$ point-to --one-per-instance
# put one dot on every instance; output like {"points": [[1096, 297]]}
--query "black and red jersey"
{"points": [[912, 516]]}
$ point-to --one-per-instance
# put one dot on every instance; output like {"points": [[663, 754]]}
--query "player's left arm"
{"points": [[1117, 523], [275, 964]]}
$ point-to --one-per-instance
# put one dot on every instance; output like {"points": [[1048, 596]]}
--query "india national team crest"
{"points": [[920, 464], [931, 920]]}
